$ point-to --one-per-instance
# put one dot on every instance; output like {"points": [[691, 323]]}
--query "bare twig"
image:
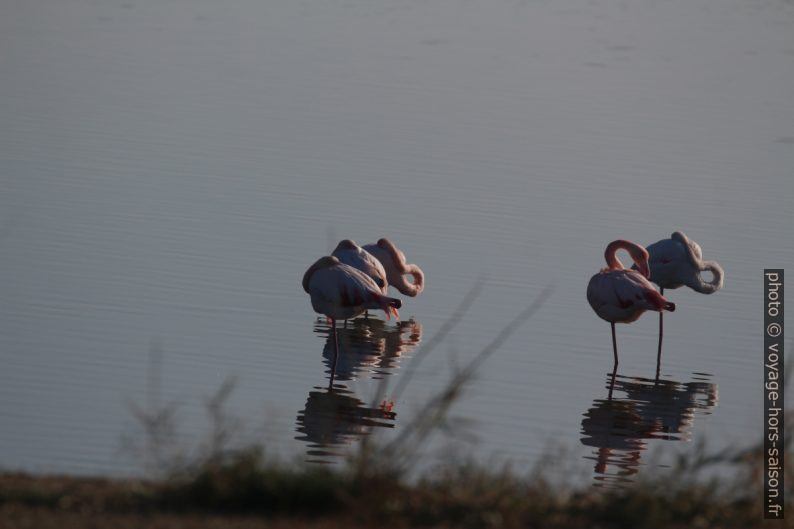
{"points": [[433, 416]]}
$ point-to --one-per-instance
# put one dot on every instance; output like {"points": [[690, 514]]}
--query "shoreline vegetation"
{"points": [[375, 487], [244, 489]]}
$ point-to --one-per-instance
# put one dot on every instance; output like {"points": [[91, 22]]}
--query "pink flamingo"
{"points": [[393, 261], [340, 292], [678, 261], [621, 295]]}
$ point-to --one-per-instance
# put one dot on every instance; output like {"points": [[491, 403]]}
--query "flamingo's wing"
{"points": [[621, 295], [374, 269], [669, 262], [363, 261]]}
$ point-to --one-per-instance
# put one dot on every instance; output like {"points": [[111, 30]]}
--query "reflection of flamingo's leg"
{"points": [[612, 383], [661, 333], [614, 345], [336, 354]]}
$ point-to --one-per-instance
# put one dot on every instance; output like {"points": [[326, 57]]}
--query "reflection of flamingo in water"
{"points": [[335, 417], [676, 262], [620, 295], [393, 261], [369, 346], [620, 428], [340, 292]]}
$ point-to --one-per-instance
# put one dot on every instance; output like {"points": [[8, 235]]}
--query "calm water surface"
{"points": [[169, 170]]}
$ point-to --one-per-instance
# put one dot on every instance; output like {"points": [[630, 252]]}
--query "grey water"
{"points": [[168, 170]]}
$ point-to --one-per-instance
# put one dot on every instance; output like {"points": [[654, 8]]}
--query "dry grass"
{"points": [[248, 492]]}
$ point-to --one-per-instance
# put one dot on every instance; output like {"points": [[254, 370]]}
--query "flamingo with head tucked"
{"points": [[619, 295], [340, 292], [678, 261], [393, 261]]}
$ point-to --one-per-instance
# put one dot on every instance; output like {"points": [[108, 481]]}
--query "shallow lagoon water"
{"points": [[170, 169]]}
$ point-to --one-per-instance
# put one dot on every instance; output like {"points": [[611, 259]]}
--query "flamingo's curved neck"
{"points": [[638, 254], [408, 288], [397, 258], [697, 283], [610, 254]]}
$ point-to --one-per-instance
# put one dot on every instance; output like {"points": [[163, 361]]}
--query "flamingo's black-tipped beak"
{"points": [[670, 307]]}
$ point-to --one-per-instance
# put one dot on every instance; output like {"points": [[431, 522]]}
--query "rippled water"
{"points": [[170, 169]]}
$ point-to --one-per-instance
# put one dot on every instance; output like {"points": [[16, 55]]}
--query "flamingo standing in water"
{"points": [[393, 261], [619, 295], [676, 262], [340, 292]]}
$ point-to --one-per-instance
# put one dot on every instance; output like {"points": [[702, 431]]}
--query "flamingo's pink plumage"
{"points": [[393, 261], [619, 295], [341, 292]]}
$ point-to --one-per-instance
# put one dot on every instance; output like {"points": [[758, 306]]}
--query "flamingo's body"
{"points": [[621, 296], [618, 295], [393, 261], [351, 254], [678, 261], [340, 292]]}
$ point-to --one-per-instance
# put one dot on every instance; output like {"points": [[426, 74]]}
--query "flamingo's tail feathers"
{"points": [[658, 302]]}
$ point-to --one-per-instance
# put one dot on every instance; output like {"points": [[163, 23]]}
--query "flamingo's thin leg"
{"points": [[661, 334], [614, 345], [612, 382], [336, 355]]}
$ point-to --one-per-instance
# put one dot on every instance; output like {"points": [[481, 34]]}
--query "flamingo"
{"points": [[393, 261], [619, 295], [351, 254], [678, 261], [340, 291]]}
